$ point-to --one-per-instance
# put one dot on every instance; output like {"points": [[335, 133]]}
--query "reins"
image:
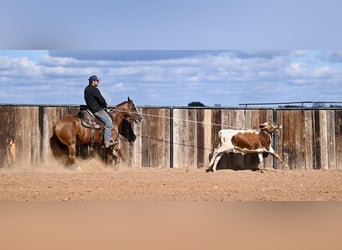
{"points": [[117, 111], [119, 114]]}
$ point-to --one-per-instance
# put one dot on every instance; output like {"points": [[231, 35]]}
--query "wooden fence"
{"points": [[184, 137]]}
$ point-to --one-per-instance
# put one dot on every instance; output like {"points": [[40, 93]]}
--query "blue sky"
{"points": [[171, 52], [172, 78]]}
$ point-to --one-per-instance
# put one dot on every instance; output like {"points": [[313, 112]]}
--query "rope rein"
{"points": [[120, 115], [182, 120], [186, 144]]}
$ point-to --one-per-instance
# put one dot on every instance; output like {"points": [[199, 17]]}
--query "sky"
{"points": [[171, 53], [171, 78]]}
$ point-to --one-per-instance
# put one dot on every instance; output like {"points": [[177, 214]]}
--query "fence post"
{"points": [[171, 137], [275, 138]]}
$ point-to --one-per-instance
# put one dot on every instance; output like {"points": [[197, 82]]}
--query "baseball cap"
{"points": [[93, 78]]}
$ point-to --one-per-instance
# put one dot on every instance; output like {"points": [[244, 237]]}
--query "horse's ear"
{"points": [[129, 99]]}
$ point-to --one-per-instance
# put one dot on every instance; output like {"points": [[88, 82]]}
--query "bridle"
{"points": [[117, 111]]}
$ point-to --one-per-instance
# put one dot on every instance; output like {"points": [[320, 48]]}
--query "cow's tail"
{"points": [[211, 162]]}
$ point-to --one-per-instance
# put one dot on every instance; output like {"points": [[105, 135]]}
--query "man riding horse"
{"points": [[73, 130], [98, 105]]}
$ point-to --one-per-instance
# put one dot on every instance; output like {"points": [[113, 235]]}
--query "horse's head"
{"points": [[129, 111], [133, 112]]}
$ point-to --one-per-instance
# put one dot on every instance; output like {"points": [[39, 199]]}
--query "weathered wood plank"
{"points": [[179, 138], [35, 141], [192, 138], [323, 139], [163, 142], [310, 139], [208, 144], [267, 116], [200, 144], [286, 138], [331, 139], [338, 138], [316, 141], [216, 121], [154, 134], [145, 128], [4, 137], [296, 156], [22, 137], [155, 138], [134, 149]]}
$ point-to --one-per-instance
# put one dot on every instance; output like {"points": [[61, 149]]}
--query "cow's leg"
{"points": [[212, 161], [217, 155], [261, 162], [218, 158], [274, 154]]}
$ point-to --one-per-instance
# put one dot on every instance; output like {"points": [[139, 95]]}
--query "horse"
{"points": [[70, 132]]}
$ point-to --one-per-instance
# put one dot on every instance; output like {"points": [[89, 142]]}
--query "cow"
{"points": [[246, 142]]}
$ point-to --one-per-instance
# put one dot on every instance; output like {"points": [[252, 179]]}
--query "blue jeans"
{"points": [[108, 123]]}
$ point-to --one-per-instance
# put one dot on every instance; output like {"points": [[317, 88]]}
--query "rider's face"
{"points": [[95, 83]]}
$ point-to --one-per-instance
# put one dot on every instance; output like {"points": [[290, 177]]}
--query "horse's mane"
{"points": [[121, 103]]}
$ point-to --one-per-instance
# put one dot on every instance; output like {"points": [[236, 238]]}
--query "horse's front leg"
{"points": [[112, 156], [117, 153], [115, 134]]}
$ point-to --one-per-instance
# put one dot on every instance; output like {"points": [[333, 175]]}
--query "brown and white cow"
{"points": [[245, 142]]}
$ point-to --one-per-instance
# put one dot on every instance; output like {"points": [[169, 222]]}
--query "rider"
{"points": [[97, 105]]}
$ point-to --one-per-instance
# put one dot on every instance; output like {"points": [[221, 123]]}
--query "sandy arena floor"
{"points": [[50, 207], [94, 182]]}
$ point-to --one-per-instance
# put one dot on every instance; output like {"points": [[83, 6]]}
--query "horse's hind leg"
{"points": [[72, 154]]}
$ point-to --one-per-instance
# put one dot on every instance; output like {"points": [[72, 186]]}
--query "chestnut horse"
{"points": [[70, 132]]}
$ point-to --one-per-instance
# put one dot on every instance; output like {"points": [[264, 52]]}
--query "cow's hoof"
{"points": [[285, 167]]}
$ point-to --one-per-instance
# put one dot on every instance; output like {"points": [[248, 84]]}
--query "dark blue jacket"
{"points": [[94, 99]]}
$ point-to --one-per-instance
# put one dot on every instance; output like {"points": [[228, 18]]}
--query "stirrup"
{"points": [[109, 143]]}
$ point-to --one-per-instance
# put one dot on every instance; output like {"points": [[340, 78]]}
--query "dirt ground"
{"points": [[94, 182], [50, 207]]}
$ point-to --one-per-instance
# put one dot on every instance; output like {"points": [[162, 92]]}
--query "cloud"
{"points": [[18, 69], [127, 55], [266, 54], [296, 69], [119, 86], [217, 77], [332, 56], [50, 60]]}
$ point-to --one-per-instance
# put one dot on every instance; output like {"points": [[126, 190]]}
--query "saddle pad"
{"points": [[88, 120]]}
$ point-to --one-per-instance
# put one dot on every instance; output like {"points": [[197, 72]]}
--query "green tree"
{"points": [[196, 104]]}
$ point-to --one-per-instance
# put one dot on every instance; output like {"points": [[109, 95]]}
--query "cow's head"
{"points": [[269, 127]]}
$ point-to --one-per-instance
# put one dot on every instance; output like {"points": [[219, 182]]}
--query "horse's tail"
{"points": [[58, 149]]}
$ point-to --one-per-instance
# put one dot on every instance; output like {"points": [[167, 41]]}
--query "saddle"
{"points": [[88, 119]]}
